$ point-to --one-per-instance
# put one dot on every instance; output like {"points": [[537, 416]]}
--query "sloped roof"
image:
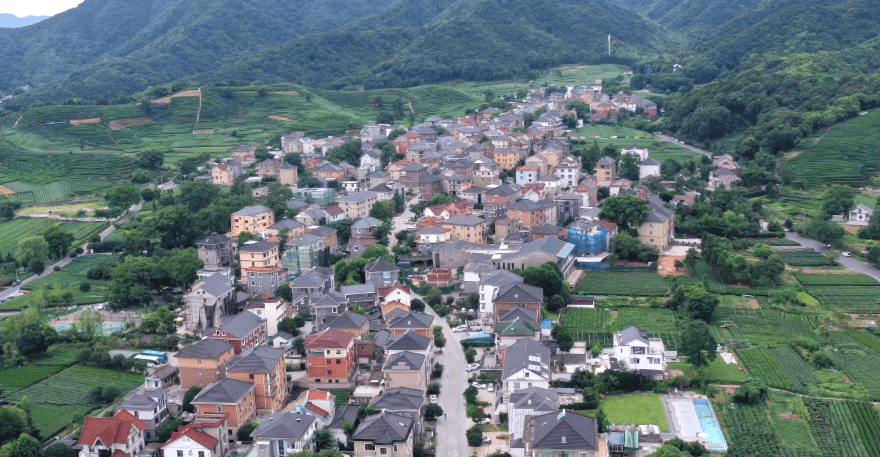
{"points": [[258, 246], [366, 222], [329, 338], [404, 361], [408, 341], [208, 348], [410, 319], [527, 354], [242, 324], [252, 210], [344, 413], [469, 221], [214, 285], [214, 238], [205, 440], [384, 428], [357, 197], [605, 161], [500, 277], [535, 398], [565, 430], [631, 334], [286, 223], [224, 391], [109, 430], [518, 327], [399, 399], [518, 312], [260, 359], [348, 320], [358, 289], [517, 292], [529, 205], [287, 426], [380, 265]]}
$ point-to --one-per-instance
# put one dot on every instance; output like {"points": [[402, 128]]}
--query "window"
{"points": [[338, 361], [383, 450], [219, 409], [638, 350], [201, 453], [179, 453], [516, 385], [369, 447], [200, 372], [396, 448], [199, 362]]}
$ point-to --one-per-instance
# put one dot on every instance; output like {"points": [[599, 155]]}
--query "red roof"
{"points": [[110, 430], [314, 394], [198, 436], [263, 269], [334, 210], [608, 225], [329, 338], [316, 409], [384, 291], [119, 453]]}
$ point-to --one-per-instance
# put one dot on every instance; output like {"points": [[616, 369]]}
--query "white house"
{"points": [[283, 434], [531, 401], [526, 364], [102, 436], [721, 177], [191, 442], [150, 406], [860, 215], [568, 171], [395, 292], [273, 309], [490, 284], [634, 351], [649, 167], [640, 151]]}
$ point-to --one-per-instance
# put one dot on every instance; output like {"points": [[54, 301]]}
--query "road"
{"points": [[669, 139], [398, 223], [66, 260], [452, 427], [849, 262]]}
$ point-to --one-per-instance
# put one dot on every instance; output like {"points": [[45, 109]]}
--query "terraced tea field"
{"points": [[628, 284], [17, 229]]}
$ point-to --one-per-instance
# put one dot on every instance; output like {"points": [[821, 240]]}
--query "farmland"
{"points": [[586, 319], [629, 284], [778, 367], [805, 258], [20, 228], [71, 276]]}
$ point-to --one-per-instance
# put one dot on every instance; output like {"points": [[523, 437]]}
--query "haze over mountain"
{"points": [[12, 21]]}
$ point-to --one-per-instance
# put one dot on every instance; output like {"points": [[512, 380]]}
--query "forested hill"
{"points": [[691, 19], [107, 48]]}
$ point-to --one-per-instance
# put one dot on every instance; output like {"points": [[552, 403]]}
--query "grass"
{"points": [[725, 373], [66, 210], [788, 418], [17, 229], [637, 408], [805, 258], [628, 284], [71, 276], [857, 298]]}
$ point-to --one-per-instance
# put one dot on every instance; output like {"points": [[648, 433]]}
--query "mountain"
{"points": [[692, 19], [12, 21], [109, 48]]}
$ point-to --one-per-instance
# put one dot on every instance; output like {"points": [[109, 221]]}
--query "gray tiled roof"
{"points": [[215, 238], [380, 265], [535, 398], [287, 426], [252, 210], [517, 312], [518, 358], [399, 399], [404, 361], [385, 428], [517, 293], [242, 323], [349, 320], [260, 359], [306, 240], [207, 348], [631, 334], [258, 246], [311, 279], [565, 431], [408, 341], [500, 277], [366, 222], [357, 197], [410, 319], [344, 413], [215, 285], [286, 224], [321, 230], [225, 391], [358, 289], [529, 205], [605, 161], [469, 221]]}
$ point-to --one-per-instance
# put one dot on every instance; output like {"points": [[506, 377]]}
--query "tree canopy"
{"points": [[698, 344], [627, 211]]}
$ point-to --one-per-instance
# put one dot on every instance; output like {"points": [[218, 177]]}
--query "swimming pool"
{"points": [[709, 423]]}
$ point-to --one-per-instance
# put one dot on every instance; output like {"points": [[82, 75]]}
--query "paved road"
{"points": [[669, 139], [849, 262], [66, 260], [451, 428], [398, 223]]}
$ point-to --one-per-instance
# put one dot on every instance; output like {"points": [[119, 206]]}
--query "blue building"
{"points": [[588, 238]]}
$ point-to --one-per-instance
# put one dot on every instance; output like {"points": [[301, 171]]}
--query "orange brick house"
{"points": [[331, 359], [230, 396], [204, 362], [264, 368], [251, 219]]}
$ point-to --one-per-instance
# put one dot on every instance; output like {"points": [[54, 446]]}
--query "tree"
{"points": [[668, 450], [700, 304], [437, 371], [628, 167], [838, 199], [564, 340], [418, 305], [32, 339], [244, 432], [31, 249], [123, 196], [163, 433], [547, 277], [762, 250], [24, 446], [698, 344], [291, 325], [188, 398], [751, 392], [150, 159], [433, 411], [602, 420], [556, 303], [824, 230], [11, 424], [59, 450], [669, 168], [628, 247], [434, 297], [627, 211], [439, 340], [59, 240], [470, 394], [475, 436], [196, 195], [324, 439]]}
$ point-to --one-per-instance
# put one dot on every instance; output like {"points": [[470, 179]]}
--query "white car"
{"points": [[433, 398], [460, 328], [846, 254], [478, 385], [472, 366], [491, 388], [486, 420]]}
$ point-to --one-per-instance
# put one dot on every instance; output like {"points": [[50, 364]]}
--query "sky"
{"points": [[23, 8]]}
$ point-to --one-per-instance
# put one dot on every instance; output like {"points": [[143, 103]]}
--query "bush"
{"points": [[433, 411], [437, 371], [474, 436], [469, 354], [244, 432], [85, 287], [751, 392], [434, 388]]}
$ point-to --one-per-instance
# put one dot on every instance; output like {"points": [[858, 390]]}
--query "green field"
{"points": [[805, 258], [71, 276], [629, 284], [17, 229], [844, 279], [779, 367], [637, 408], [849, 153]]}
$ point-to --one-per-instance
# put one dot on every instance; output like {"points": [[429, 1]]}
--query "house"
{"points": [[243, 331], [273, 309], [384, 434], [244, 154], [364, 226], [316, 281], [606, 171], [229, 396], [262, 280], [288, 175], [649, 167], [263, 367], [319, 404], [283, 434], [517, 294], [568, 170], [403, 401], [150, 406], [190, 441], [506, 158], [409, 342], [639, 151], [563, 433], [531, 401], [304, 253], [224, 174], [330, 172], [357, 246], [634, 351], [466, 228], [293, 228], [861, 215], [526, 364], [326, 306], [400, 322], [568, 205], [268, 167], [383, 192], [204, 362], [726, 161], [538, 161], [312, 216], [331, 359], [508, 333], [252, 219], [427, 237], [490, 283], [360, 295], [207, 302], [486, 172], [393, 305], [406, 369], [358, 204], [375, 178], [329, 234], [412, 175], [658, 229], [351, 322], [526, 174], [588, 238], [721, 177], [380, 273], [217, 251], [119, 436], [532, 213]]}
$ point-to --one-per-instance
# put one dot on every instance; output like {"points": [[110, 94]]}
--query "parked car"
{"points": [[478, 385], [433, 398], [846, 254], [486, 420], [491, 388], [472, 366], [460, 328], [487, 440]]}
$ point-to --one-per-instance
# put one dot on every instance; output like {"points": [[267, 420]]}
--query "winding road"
{"points": [[850, 262]]}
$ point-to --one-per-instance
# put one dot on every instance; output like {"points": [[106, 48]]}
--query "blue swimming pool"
{"points": [[709, 423]]}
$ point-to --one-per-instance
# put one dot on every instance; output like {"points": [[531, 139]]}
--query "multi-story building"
{"points": [[506, 158], [204, 362], [119, 436], [658, 230], [251, 219], [273, 309], [530, 401], [288, 175], [331, 359], [304, 253], [606, 171], [150, 405], [532, 213], [526, 174], [385, 434], [231, 396], [466, 228], [634, 351], [568, 171], [243, 331], [258, 254], [217, 251], [526, 364], [192, 441], [208, 302], [381, 273], [293, 228], [224, 174], [358, 204], [264, 368], [568, 205], [400, 322], [286, 433]]}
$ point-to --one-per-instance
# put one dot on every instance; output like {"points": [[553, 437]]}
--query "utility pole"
{"points": [[609, 44]]}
